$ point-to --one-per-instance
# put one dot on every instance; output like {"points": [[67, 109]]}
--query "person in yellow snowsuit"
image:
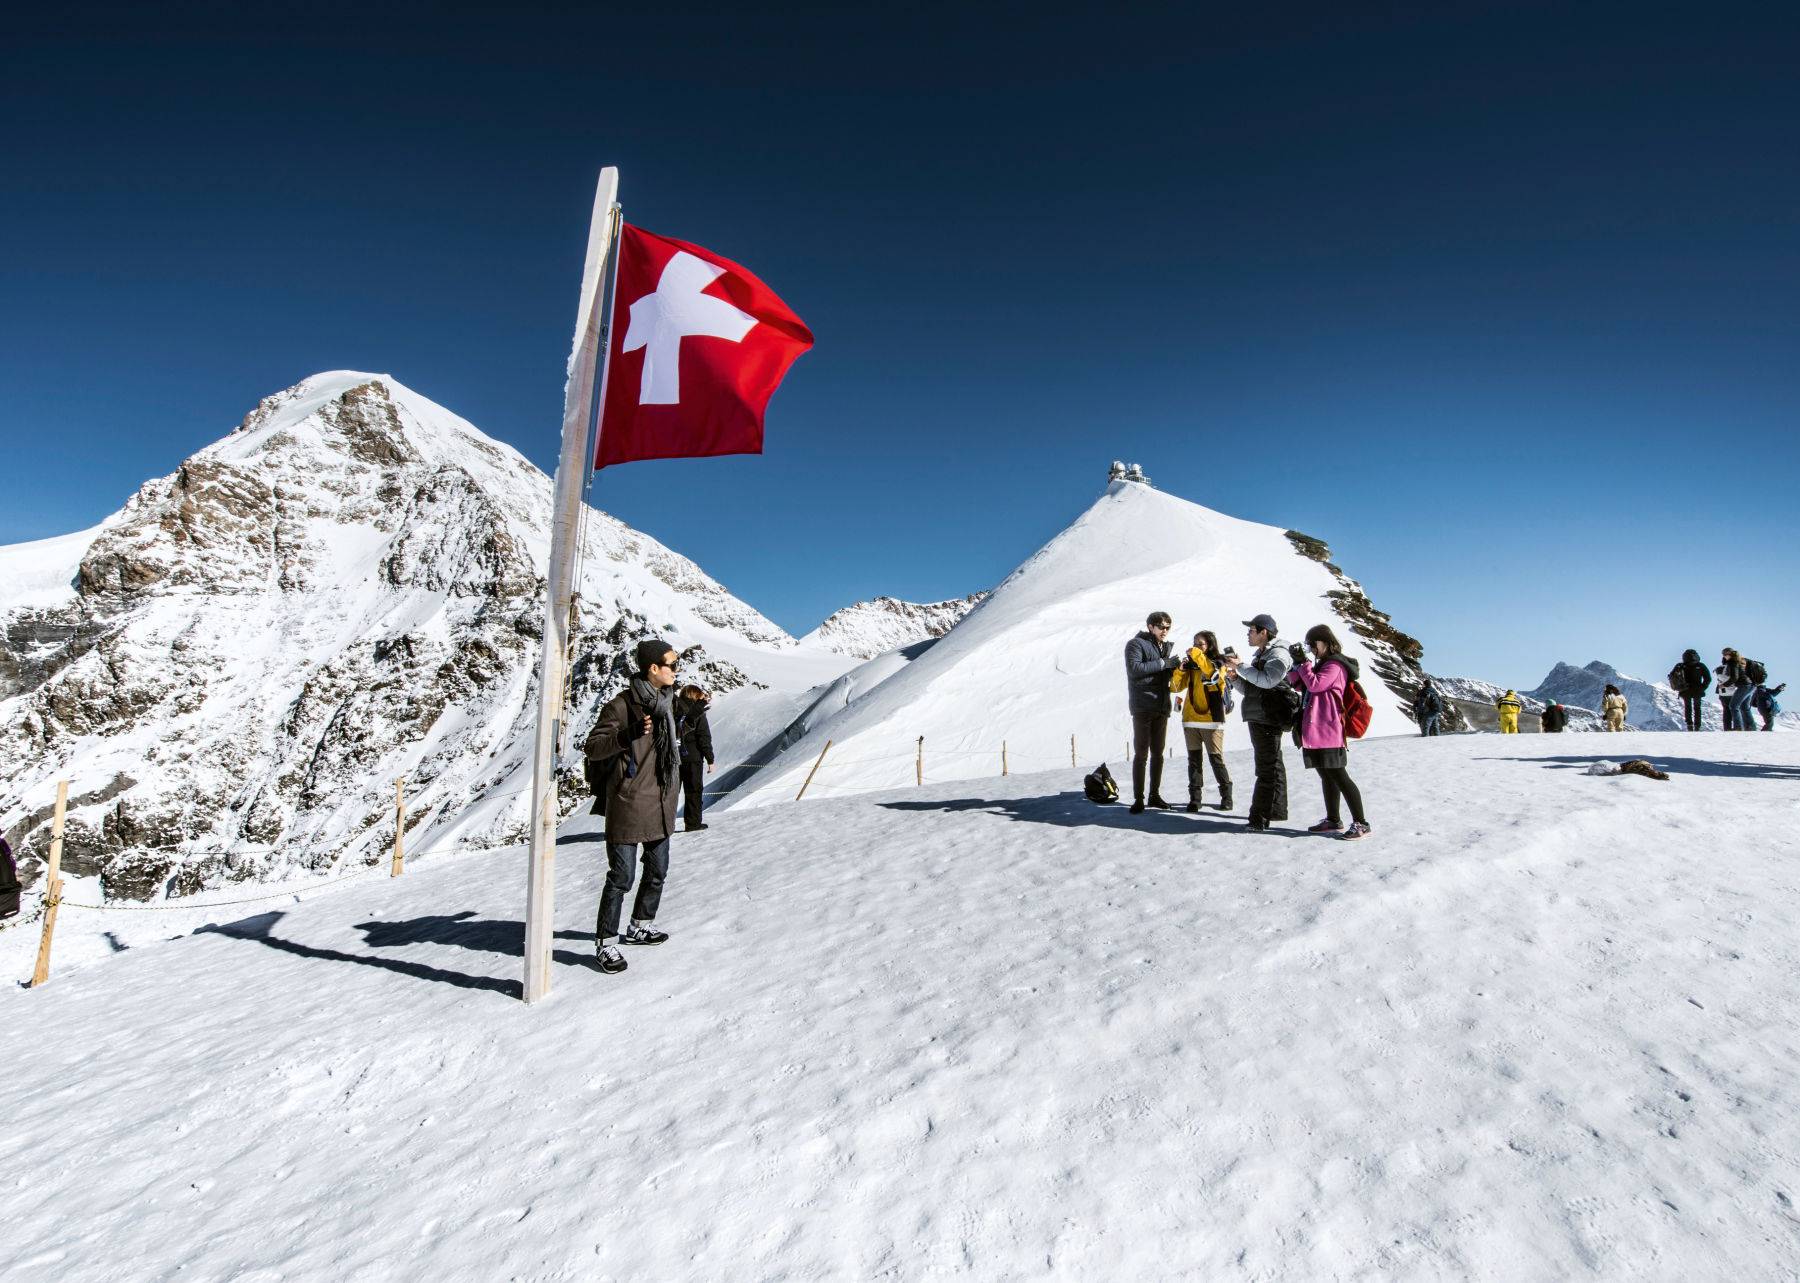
{"points": [[1202, 678], [1614, 707], [1509, 706]]}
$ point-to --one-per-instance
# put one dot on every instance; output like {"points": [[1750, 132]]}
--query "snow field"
{"points": [[1540, 1024]]}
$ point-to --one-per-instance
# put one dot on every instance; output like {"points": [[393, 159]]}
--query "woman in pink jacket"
{"points": [[1322, 680]]}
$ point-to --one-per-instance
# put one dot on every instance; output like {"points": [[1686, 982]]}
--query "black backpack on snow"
{"points": [[1100, 785], [1754, 670]]}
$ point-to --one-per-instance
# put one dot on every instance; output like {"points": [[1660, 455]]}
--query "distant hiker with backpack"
{"points": [[633, 752], [1148, 664], [1755, 674], [1427, 707], [1613, 708], [696, 754], [1271, 708], [1730, 681], [1331, 697], [1763, 701], [1202, 678], [1554, 718], [1508, 707], [1689, 679]]}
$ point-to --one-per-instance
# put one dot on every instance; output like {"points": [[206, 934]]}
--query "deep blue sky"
{"points": [[1501, 300]]}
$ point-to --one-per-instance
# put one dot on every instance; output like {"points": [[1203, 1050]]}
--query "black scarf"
{"points": [[659, 706]]}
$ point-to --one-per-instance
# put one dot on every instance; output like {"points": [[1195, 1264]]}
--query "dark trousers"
{"points": [[1269, 801], [1691, 706], [620, 856], [1746, 718], [1149, 738], [1336, 782], [1730, 710], [1199, 753], [9, 883], [1428, 725], [1768, 719], [693, 784]]}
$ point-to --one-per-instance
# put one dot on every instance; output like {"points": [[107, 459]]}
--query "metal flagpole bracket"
{"points": [[586, 378]]}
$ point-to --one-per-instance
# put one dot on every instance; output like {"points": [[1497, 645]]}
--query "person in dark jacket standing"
{"points": [[1256, 680], [1689, 678], [634, 749], [1554, 718], [1427, 707], [9, 882], [696, 754], [1148, 664], [1731, 680]]}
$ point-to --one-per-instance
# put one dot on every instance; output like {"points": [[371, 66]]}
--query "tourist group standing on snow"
{"points": [[1312, 692]]}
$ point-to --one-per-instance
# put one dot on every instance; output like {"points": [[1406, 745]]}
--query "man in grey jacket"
{"points": [[1265, 670], [1148, 664]]}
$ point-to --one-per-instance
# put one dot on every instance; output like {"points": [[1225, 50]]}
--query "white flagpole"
{"points": [[585, 361]]}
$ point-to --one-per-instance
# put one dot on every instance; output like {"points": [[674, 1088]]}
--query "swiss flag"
{"points": [[698, 345]]}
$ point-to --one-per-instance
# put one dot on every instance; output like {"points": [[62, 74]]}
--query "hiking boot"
{"points": [[1326, 826], [611, 960], [1193, 806], [1137, 807], [1356, 831], [1225, 798], [694, 828], [1257, 826], [1159, 804], [635, 934]]}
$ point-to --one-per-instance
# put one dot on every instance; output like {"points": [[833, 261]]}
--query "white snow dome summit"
{"points": [[1041, 659]]}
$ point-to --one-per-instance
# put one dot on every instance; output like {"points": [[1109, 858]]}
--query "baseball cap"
{"points": [[1264, 622]]}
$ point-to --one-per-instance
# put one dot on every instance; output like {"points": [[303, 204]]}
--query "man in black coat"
{"points": [[9, 882], [1428, 707], [1148, 664], [696, 754], [1690, 679], [1256, 679], [1553, 718], [634, 752]]}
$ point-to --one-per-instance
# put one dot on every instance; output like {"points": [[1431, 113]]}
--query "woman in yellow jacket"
{"points": [[1202, 678], [1509, 706], [1613, 708]]}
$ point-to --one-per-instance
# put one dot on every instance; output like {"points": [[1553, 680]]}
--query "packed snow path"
{"points": [[1540, 1025]]}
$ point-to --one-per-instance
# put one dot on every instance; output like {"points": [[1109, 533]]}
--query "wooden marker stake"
{"points": [[52, 887], [1072, 761], [399, 826], [1003, 758], [814, 771], [919, 766]]}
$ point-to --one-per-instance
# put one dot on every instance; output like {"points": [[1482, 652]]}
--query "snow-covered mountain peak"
{"points": [[1038, 667], [871, 628], [234, 667]]}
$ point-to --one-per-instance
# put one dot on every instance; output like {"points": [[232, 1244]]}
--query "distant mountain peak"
{"points": [[883, 624]]}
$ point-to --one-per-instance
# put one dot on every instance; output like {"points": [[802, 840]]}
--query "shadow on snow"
{"points": [[1073, 810], [459, 930], [1673, 765]]}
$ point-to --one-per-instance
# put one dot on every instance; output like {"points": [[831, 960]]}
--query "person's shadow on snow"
{"points": [[461, 930], [1673, 765], [1073, 810]]}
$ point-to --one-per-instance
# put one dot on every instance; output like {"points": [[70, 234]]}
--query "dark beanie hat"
{"points": [[650, 651]]}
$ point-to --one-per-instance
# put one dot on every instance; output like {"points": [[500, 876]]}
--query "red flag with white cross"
{"points": [[698, 346]]}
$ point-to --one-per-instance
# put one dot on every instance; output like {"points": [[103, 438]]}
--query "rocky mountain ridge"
{"points": [[234, 669], [871, 628]]}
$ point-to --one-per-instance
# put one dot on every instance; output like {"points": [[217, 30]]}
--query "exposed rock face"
{"points": [[871, 628], [1395, 654], [345, 590]]}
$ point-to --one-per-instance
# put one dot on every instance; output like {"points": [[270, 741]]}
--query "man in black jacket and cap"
{"points": [[1148, 664], [633, 751], [696, 755], [1266, 669]]}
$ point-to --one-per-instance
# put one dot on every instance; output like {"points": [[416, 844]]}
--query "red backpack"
{"points": [[1357, 710]]}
